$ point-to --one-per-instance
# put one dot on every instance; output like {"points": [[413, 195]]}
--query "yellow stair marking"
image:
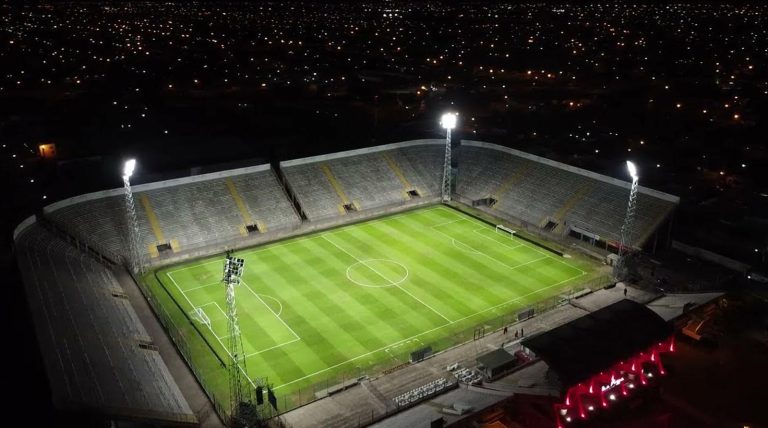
{"points": [[153, 221], [153, 251], [568, 205], [239, 202], [514, 178], [336, 185], [398, 172]]}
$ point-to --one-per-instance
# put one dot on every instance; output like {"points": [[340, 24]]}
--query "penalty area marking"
{"points": [[278, 302], [367, 265], [464, 247]]}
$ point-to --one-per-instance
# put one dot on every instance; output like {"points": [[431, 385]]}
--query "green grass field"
{"points": [[358, 298]]}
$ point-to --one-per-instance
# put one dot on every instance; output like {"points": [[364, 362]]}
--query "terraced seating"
{"points": [[365, 179], [536, 191], [99, 221], [317, 197], [266, 200], [187, 213], [92, 335], [423, 166]]}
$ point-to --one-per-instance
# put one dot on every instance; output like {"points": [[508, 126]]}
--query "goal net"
{"points": [[200, 315], [504, 230]]}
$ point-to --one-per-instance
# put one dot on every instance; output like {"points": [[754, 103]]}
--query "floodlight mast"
{"points": [[238, 390], [448, 121], [136, 262], [625, 245]]}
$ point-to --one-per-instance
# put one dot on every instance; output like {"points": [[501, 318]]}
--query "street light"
{"points": [[133, 225], [448, 121]]}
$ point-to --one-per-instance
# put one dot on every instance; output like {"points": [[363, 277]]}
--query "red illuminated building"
{"points": [[603, 358]]}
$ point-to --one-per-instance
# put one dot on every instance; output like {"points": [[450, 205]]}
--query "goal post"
{"points": [[500, 228], [199, 314]]}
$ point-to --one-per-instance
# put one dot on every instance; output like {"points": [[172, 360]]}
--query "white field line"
{"points": [[272, 347], [387, 279], [278, 302], [267, 246], [470, 249], [447, 222], [261, 350], [486, 255], [471, 220], [221, 310], [425, 332], [191, 304], [203, 286], [477, 231], [270, 310], [214, 334]]}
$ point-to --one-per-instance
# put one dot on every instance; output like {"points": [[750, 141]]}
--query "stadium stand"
{"points": [[98, 221], [183, 214], [97, 353], [332, 185], [555, 196]]}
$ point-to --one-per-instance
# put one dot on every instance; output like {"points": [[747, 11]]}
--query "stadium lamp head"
{"points": [[632, 170], [129, 166], [448, 121]]}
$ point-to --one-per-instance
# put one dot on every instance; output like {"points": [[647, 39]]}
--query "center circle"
{"points": [[377, 273]]}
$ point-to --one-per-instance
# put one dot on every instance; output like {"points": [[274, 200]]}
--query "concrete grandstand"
{"points": [[97, 351]]}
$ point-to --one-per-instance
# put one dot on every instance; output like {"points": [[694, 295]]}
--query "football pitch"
{"points": [[362, 296]]}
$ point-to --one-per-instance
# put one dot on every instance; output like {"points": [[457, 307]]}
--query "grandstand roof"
{"points": [[585, 346]]}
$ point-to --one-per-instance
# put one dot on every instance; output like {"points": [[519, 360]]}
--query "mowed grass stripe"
{"points": [[382, 310], [343, 325], [359, 252], [402, 253], [351, 318], [362, 242], [314, 305], [432, 279], [469, 276]]}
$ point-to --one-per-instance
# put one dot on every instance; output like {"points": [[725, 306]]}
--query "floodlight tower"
{"points": [[448, 121], [133, 225], [629, 219], [233, 271]]}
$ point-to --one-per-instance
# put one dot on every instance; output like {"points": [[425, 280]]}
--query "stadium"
{"points": [[356, 268]]}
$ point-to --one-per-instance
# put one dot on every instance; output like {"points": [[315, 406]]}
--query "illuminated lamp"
{"points": [[448, 121]]}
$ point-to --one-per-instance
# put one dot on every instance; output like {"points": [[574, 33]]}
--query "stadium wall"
{"points": [[29, 221]]}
